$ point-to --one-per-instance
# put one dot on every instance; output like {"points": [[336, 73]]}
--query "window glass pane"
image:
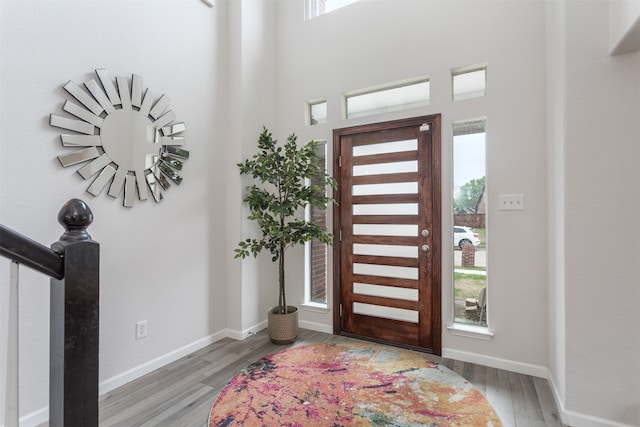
{"points": [[386, 209], [320, 7], [385, 168], [385, 250], [385, 229], [317, 112], [316, 252], [385, 147], [331, 5], [393, 98], [469, 231], [386, 271], [385, 291], [469, 83], [386, 312], [392, 188]]}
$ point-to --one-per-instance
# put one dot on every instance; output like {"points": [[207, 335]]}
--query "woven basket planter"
{"points": [[283, 328]]}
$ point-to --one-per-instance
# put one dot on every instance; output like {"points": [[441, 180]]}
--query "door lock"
{"points": [[425, 248]]}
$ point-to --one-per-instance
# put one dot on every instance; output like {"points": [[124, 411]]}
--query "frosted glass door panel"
{"points": [[385, 312], [385, 271], [386, 229], [385, 147], [385, 250], [391, 188], [385, 168], [386, 209], [385, 291]]}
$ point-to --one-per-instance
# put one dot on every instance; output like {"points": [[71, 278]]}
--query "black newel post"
{"points": [[74, 337]]}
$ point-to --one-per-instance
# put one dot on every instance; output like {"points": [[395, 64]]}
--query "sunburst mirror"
{"points": [[124, 135]]}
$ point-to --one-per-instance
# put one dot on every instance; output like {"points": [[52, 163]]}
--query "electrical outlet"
{"points": [[141, 329], [511, 202]]}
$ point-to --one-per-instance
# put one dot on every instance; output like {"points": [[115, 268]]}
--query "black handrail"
{"points": [[25, 251], [73, 262]]}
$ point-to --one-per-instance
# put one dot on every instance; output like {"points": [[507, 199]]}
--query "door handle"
{"points": [[425, 248], [425, 233]]}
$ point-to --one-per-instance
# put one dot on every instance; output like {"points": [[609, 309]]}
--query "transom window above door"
{"points": [[320, 7]]}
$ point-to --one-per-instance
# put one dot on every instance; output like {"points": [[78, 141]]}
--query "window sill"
{"points": [[470, 331], [315, 307]]}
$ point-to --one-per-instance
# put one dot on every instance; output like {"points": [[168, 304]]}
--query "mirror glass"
{"points": [[129, 141], [129, 137]]}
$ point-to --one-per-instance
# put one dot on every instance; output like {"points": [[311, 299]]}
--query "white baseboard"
{"points": [[35, 418], [318, 327], [304, 324], [240, 335], [572, 418], [495, 362], [140, 370], [583, 420], [42, 415], [145, 368]]}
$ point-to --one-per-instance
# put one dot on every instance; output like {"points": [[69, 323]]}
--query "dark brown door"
{"points": [[387, 227]]}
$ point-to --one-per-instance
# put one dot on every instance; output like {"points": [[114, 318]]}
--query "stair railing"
{"points": [[73, 263]]}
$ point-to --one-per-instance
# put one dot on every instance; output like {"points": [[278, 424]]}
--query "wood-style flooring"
{"points": [[181, 393]]}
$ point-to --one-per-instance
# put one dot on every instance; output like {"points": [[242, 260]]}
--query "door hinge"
{"points": [[340, 236], [340, 310]]}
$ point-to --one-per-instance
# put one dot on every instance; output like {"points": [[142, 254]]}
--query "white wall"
{"points": [[556, 107], [373, 42], [155, 258], [250, 99], [602, 197], [593, 107]]}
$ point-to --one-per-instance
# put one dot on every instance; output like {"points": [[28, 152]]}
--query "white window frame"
{"points": [[482, 332]]}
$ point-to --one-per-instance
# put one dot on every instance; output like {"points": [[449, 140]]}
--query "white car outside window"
{"points": [[462, 235]]}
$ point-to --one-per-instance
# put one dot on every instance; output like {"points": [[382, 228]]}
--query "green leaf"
{"points": [[277, 198]]}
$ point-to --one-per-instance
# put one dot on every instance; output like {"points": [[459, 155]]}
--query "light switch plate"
{"points": [[511, 202]]}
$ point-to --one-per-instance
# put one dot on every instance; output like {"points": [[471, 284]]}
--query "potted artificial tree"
{"points": [[289, 178]]}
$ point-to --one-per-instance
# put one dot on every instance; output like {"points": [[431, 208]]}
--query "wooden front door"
{"points": [[387, 253]]}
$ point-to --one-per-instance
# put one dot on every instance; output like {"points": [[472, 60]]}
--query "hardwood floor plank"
{"points": [[458, 367], [449, 363], [499, 395], [547, 402], [163, 383], [191, 410], [480, 378], [529, 405]]}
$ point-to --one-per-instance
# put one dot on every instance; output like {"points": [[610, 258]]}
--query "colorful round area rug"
{"points": [[349, 384]]}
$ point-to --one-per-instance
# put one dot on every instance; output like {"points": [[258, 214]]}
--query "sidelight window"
{"points": [[316, 252], [469, 231]]}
